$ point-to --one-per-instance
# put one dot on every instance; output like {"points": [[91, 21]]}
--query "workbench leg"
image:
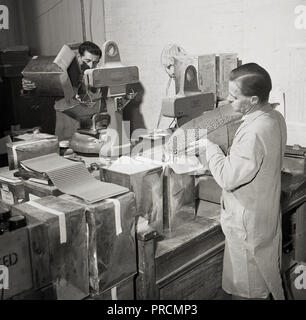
{"points": [[146, 288]]}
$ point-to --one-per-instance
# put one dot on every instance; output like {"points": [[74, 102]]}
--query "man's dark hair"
{"points": [[91, 48], [254, 81]]}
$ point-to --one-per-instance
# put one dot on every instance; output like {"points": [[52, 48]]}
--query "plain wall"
{"points": [[259, 31], [15, 34], [52, 23], [262, 31]]}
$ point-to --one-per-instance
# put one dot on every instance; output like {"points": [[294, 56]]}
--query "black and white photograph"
{"points": [[152, 153]]}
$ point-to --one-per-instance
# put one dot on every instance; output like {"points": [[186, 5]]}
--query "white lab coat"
{"points": [[250, 176]]}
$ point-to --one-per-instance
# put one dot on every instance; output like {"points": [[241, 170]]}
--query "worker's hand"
{"points": [[28, 85], [198, 147]]}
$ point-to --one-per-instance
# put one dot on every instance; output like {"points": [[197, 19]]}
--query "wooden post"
{"points": [[146, 288]]}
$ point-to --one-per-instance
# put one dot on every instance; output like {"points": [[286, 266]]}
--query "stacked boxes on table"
{"points": [[51, 249], [161, 195], [112, 247]]}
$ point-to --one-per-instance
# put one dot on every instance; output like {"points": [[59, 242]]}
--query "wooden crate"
{"points": [[185, 264], [63, 262], [15, 255], [178, 198], [202, 281], [24, 150], [11, 188], [148, 188], [112, 246]]}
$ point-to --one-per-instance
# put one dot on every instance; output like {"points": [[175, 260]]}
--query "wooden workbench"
{"points": [[185, 263]]}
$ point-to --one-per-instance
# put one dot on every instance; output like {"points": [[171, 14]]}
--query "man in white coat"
{"points": [[250, 176]]}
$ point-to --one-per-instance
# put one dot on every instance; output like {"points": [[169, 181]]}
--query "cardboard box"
{"points": [[11, 188], [58, 245], [24, 150], [147, 184], [112, 247], [55, 76], [178, 197]]}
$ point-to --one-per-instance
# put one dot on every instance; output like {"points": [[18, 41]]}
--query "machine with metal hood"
{"points": [[189, 101], [108, 134], [96, 98]]}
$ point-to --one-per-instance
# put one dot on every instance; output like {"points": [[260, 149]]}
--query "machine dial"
{"points": [[112, 50]]}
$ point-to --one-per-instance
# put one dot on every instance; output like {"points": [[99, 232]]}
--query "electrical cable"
{"points": [[90, 20], [83, 20]]}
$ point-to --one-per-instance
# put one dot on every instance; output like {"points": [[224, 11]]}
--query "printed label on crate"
{"points": [[7, 197]]}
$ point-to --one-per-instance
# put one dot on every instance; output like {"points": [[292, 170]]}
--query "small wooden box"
{"points": [[63, 261], [112, 247], [147, 184], [178, 197], [11, 188], [24, 150], [34, 190]]}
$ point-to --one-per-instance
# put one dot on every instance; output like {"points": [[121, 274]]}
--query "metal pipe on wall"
{"points": [[83, 20]]}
